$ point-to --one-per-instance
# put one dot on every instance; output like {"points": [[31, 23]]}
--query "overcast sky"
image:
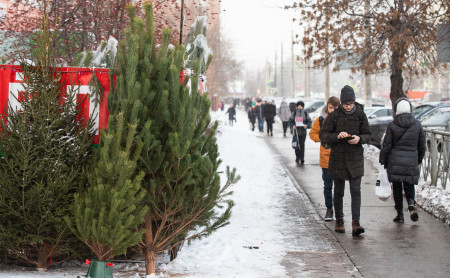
{"points": [[257, 28]]}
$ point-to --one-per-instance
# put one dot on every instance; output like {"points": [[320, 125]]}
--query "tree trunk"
{"points": [[396, 77], [149, 249], [150, 258]]}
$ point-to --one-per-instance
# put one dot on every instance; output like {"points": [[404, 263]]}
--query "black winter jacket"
{"points": [[403, 149], [346, 160], [269, 112], [252, 115]]}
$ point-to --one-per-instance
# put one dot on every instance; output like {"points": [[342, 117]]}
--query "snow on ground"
{"points": [[254, 242], [434, 200], [256, 221]]}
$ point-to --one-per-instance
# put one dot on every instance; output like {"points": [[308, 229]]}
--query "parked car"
{"points": [[314, 105], [420, 111], [379, 118], [438, 118]]}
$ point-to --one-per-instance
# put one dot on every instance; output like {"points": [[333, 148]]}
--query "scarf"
{"points": [[299, 117]]}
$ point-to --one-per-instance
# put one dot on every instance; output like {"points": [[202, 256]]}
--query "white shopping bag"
{"points": [[383, 186]]}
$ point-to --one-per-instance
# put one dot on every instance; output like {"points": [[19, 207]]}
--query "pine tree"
{"points": [[180, 159], [106, 217]]}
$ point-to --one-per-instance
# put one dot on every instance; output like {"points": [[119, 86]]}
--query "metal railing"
{"points": [[436, 161]]}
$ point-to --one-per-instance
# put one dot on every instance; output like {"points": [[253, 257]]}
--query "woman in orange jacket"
{"points": [[332, 103]]}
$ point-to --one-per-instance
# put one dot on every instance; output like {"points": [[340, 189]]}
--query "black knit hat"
{"points": [[347, 94], [301, 103]]}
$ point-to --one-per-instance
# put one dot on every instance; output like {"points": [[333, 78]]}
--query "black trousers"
{"points": [[355, 192], [398, 189], [300, 151], [285, 126]]}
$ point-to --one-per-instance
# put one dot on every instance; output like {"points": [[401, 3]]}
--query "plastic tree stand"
{"points": [[98, 269]]}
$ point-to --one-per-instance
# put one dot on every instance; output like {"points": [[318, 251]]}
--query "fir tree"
{"points": [[180, 160], [46, 151]]}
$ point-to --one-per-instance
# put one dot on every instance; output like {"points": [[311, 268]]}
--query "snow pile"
{"points": [[434, 200]]}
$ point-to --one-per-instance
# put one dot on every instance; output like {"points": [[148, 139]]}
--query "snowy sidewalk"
{"points": [[274, 230]]}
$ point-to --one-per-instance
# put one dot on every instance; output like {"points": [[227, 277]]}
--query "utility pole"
{"points": [[292, 66], [327, 69], [282, 73], [275, 74], [181, 22], [306, 70]]}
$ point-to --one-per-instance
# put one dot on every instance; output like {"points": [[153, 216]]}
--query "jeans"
{"points": [[261, 124], [410, 193], [327, 188], [355, 192]]}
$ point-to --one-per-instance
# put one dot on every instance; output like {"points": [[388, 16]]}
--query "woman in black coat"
{"points": [[402, 151], [346, 129], [269, 113]]}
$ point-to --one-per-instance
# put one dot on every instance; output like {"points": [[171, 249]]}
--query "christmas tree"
{"points": [[46, 151], [180, 158]]}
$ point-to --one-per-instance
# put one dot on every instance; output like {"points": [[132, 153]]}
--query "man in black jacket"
{"points": [[402, 151], [346, 129], [269, 113]]}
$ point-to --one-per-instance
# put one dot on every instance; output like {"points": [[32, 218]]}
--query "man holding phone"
{"points": [[346, 129]]}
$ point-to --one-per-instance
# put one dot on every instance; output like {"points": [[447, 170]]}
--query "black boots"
{"points": [[399, 218], [413, 213]]}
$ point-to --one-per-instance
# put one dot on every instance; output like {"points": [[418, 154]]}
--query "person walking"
{"points": [[332, 104], [300, 121], [346, 129], [231, 114], [259, 115], [284, 113], [269, 113], [252, 116], [401, 153]]}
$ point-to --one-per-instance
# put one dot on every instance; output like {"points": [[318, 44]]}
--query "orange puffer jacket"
{"points": [[324, 153]]}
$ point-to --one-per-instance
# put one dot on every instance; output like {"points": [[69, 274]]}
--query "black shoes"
{"points": [[297, 160], [303, 162], [413, 213], [399, 219], [329, 215]]}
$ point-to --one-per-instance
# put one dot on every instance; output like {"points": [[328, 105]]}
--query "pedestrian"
{"points": [[346, 129], [222, 105], [259, 115], [401, 153], [269, 113], [300, 121], [284, 113], [292, 107], [231, 114], [252, 116], [332, 104]]}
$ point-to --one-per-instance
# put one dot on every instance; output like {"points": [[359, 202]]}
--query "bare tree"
{"points": [[377, 35]]}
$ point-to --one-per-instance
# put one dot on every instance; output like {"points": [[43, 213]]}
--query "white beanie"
{"points": [[403, 106]]}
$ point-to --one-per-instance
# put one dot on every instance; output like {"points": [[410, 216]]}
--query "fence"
{"points": [[436, 161]]}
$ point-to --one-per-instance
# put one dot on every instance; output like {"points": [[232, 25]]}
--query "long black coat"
{"points": [[403, 149], [269, 112], [252, 115], [346, 160]]}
